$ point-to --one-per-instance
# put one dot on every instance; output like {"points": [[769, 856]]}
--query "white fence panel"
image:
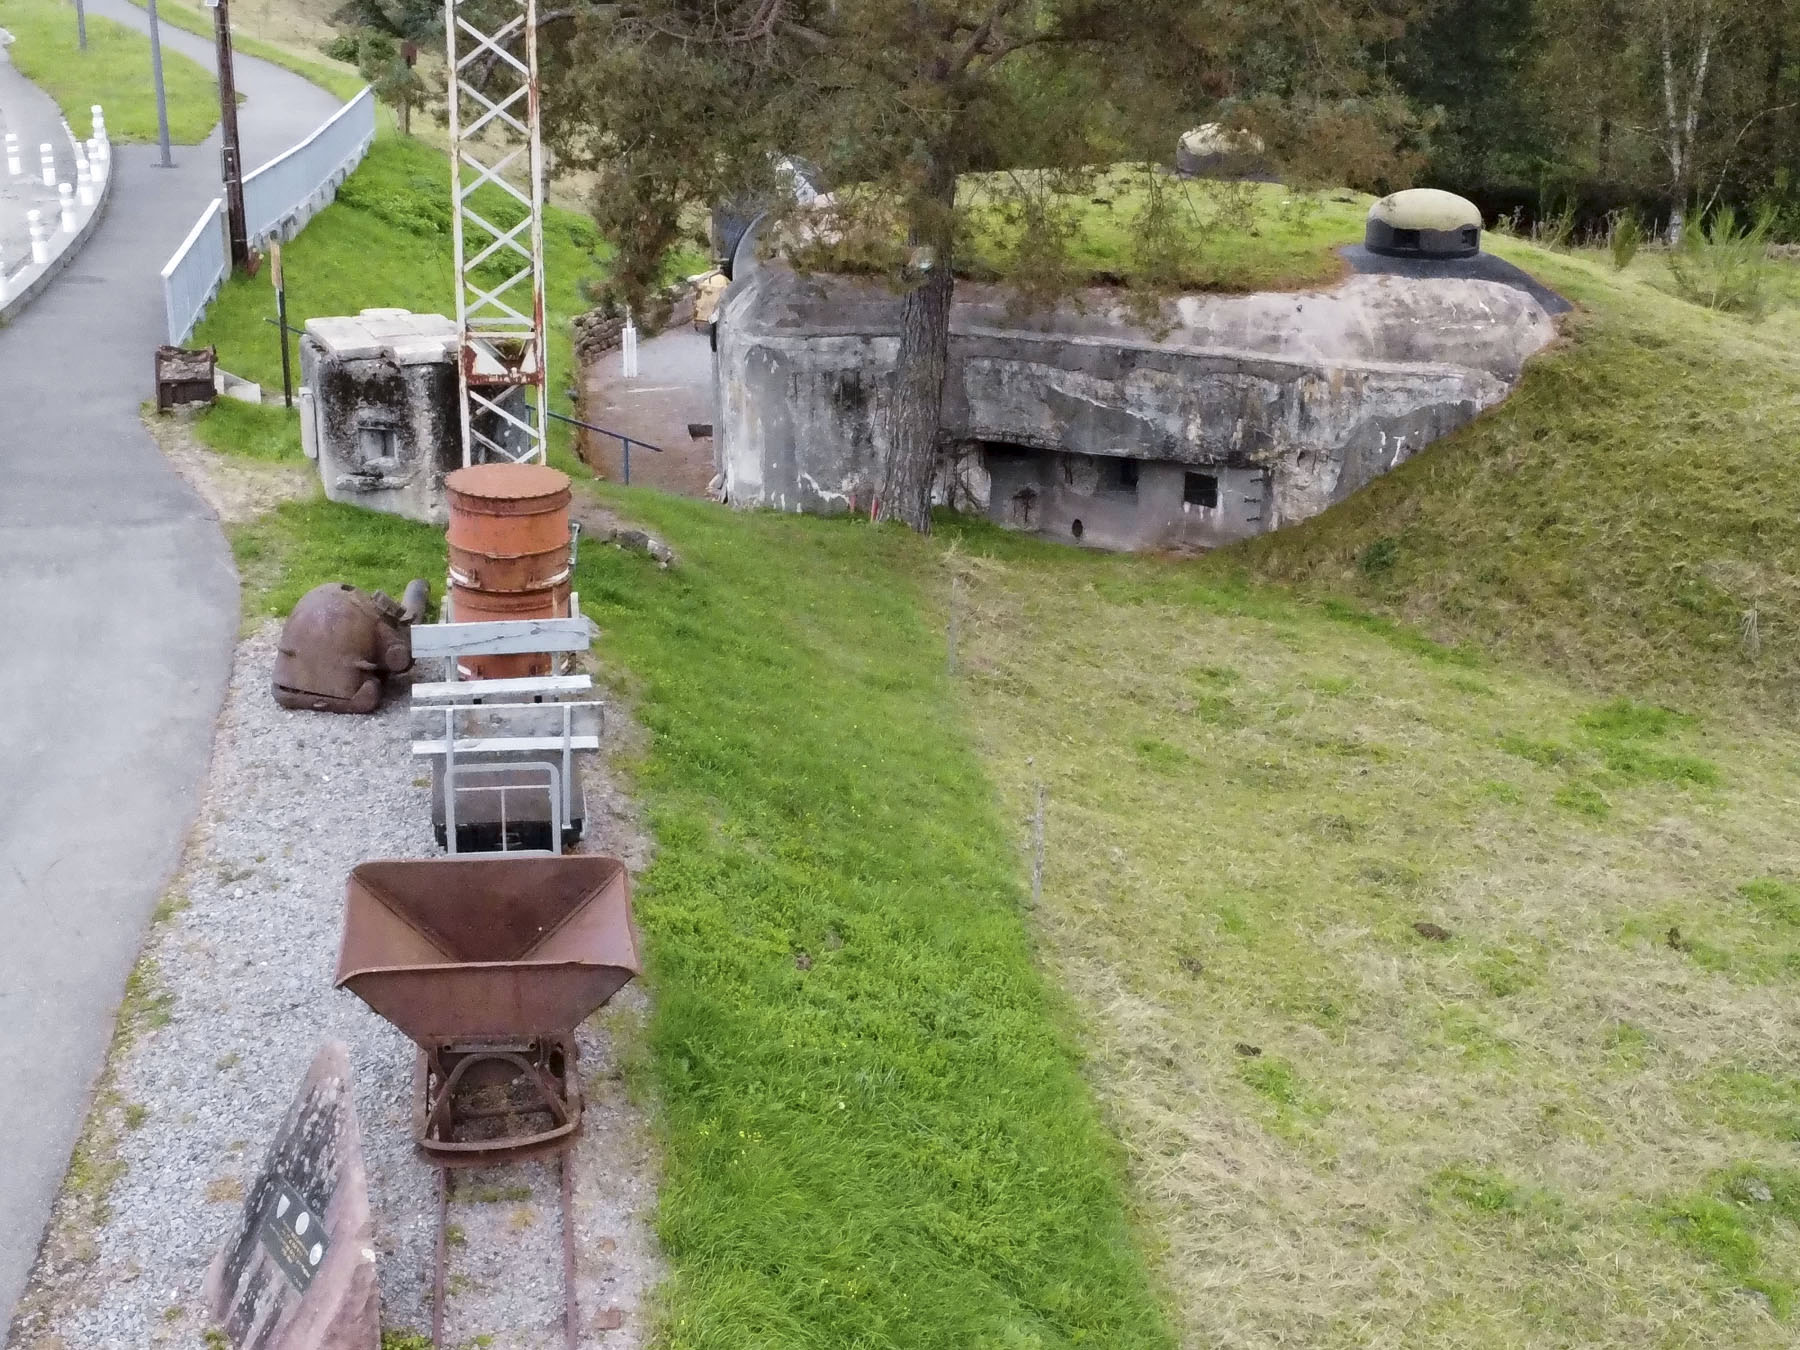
{"points": [[193, 276], [279, 198], [282, 195]]}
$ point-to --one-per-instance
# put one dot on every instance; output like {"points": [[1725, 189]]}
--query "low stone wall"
{"points": [[1249, 413], [597, 333], [602, 330]]}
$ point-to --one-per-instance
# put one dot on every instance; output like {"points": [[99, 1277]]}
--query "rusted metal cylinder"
{"points": [[509, 553]]}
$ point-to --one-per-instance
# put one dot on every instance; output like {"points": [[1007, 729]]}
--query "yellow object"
{"points": [[707, 294]]}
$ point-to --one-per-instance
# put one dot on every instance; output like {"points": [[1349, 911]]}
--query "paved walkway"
{"points": [[118, 606], [34, 117], [674, 387]]}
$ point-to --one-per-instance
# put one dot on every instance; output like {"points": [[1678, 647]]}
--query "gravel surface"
{"points": [[239, 986]]}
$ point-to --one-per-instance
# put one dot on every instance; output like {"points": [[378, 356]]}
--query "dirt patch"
{"points": [[236, 490]]}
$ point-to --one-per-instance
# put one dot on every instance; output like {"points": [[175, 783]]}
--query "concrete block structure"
{"points": [[1238, 415], [379, 409]]}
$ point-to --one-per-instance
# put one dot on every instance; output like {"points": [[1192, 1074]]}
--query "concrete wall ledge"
{"points": [[25, 285]]}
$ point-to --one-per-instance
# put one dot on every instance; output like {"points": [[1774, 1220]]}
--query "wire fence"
{"points": [[279, 198]]}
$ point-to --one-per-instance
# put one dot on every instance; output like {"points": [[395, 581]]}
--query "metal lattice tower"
{"points": [[497, 158]]}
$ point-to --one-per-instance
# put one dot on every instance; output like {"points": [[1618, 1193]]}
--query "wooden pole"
{"points": [[230, 154]]}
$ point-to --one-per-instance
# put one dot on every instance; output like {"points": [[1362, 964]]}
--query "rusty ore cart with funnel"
{"points": [[488, 964]]}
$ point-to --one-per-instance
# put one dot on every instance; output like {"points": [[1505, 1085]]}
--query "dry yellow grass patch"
{"points": [[1350, 1133]]}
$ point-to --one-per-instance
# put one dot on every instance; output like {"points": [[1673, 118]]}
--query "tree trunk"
{"points": [[914, 415]]}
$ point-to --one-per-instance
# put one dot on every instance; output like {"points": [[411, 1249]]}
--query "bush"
{"points": [[1625, 236], [1723, 267]]}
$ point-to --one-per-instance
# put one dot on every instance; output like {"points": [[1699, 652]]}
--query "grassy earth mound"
{"points": [[1089, 231], [1436, 984], [1625, 517]]}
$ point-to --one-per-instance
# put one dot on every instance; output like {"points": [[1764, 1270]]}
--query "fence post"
{"points": [[627, 441]]}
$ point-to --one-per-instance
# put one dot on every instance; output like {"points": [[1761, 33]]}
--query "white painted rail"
{"points": [[279, 198]]}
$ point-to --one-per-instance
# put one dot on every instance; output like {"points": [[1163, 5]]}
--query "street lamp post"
{"points": [[231, 161], [162, 102]]}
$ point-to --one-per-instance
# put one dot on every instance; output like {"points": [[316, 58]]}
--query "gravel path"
{"points": [[235, 998]]}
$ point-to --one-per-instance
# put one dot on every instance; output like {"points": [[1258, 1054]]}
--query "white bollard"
{"points": [[96, 159], [99, 123], [40, 243], [47, 157], [14, 164], [65, 200], [84, 183], [2, 278]]}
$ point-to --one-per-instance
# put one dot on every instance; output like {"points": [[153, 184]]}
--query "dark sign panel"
{"points": [[298, 1272]]}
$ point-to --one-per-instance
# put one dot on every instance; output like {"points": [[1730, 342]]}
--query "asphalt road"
{"points": [[118, 606]]}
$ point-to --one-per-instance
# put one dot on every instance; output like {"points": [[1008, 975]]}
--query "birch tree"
{"points": [[1686, 33]]}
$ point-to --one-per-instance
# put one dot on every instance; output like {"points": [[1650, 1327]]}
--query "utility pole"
{"points": [[496, 147], [229, 154], [162, 102]]}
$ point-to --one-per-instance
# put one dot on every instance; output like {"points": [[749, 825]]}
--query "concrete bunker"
{"points": [[1424, 223], [1120, 501], [380, 409], [1240, 414]]}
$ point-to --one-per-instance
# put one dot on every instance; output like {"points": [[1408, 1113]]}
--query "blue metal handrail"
{"points": [[621, 437]]}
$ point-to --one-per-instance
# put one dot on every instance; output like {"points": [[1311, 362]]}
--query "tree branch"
{"points": [[1738, 140], [984, 31]]}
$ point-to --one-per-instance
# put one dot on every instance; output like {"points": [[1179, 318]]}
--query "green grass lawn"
{"points": [[1563, 1112], [1232, 236], [873, 1128], [114, 72], [1452, 979], [384, 242]]}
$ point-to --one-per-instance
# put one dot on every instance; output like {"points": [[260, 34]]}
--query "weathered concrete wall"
{"points": [[385, 431], [1292, 401]]}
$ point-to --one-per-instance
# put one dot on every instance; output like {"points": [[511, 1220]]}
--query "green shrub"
{"points": [[1625, 237], [1724, 267]]}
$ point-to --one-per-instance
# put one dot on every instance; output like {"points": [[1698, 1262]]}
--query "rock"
{"points": [[298, 1272], [641, 541]]}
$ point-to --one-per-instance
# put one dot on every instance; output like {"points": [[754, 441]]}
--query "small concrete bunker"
{"points": [[1217, 151], [380, 410], [1237, 415], [1424, 223]]}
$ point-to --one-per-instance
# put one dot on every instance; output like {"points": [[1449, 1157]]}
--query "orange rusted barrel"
{"points": [[509, 553]]}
